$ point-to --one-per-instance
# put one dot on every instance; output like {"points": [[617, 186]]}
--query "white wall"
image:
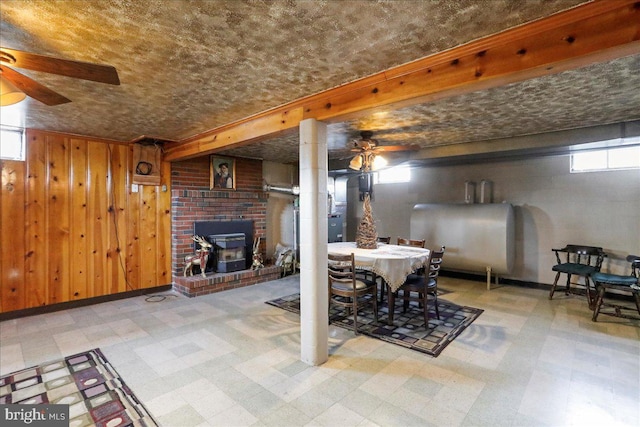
{"points": [[552, 208]]}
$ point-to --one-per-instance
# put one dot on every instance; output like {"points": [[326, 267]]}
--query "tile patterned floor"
{"points": [[229, 359]]}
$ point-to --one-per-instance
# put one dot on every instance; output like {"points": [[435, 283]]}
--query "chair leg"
{"points": [[354, 307], [383, 286], [375, 304], [567, 289], [435, 301], [596, 307], [354, 304], [636, 297], [553, 287], [391, 298], [425, 309], [590, 298]]}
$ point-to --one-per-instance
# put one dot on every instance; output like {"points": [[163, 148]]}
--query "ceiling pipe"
{"points": [[281, 188]]}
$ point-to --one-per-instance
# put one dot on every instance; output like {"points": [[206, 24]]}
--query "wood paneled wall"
{"points": [[71, 228]]}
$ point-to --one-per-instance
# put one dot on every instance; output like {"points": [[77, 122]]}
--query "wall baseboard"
{"points": [[503, 281], [525, 284], [80, 303]]}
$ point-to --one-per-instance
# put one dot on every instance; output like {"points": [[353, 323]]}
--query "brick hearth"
{"points": [[197, 285]]}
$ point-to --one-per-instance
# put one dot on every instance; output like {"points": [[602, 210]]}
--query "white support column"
{"points": [[314, 316]]}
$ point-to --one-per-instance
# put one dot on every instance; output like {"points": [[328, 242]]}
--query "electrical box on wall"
{"points": [[147, 161]]}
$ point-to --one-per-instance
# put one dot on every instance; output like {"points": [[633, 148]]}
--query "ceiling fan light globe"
{"points": [[379, 162], [356, 162], [9, 94]]}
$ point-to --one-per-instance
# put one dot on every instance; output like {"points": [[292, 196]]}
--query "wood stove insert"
{"points": [[208, 228], [228, 252]]}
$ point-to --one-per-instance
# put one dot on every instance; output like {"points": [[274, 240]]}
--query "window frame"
{"points": [[377, 180], [5, 130], [606, 152]]}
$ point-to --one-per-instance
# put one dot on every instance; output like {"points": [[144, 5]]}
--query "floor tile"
{"points": [[230, 359]]}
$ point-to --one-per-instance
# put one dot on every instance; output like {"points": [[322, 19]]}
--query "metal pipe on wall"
{"points": [[469, 192], [281, 188], [486, 191]]}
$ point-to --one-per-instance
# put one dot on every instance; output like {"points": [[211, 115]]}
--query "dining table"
{"points": [[391, 262]]}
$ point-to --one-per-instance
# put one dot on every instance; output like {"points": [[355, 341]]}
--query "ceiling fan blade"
{"points": [[64, 67], [32, 88], [397, 148]]}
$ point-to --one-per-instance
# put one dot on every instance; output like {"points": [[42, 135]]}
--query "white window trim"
{"points": [[5, 130], [403, 171], [605, 152]]}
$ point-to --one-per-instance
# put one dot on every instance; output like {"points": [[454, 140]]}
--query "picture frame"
{"points": [[222, 173]]}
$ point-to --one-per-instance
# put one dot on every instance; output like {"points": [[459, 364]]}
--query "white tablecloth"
{"points": [[392, 262]]}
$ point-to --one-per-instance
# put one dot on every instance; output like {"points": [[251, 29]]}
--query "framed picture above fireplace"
{"points": [[223, 173]]}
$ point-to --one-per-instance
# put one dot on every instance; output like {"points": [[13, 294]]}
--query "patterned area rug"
{"points": [[94, 391], [408, 329]]}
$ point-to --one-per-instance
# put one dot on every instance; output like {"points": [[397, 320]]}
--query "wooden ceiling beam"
{"points": [[541, 48], [590, 33], [236, 134]]}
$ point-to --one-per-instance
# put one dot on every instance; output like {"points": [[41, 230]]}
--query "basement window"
{"points": [[11, 143], [395, 175], [619, 158]]}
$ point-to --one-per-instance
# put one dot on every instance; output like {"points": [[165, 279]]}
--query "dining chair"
{"points": [[577, 260], [384, 239], [345, 288], [605, 282], [421, 285], [410, 242]]}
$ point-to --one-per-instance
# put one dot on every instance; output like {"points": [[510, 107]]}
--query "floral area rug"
{"points": [[87, 382], [408, 329]]}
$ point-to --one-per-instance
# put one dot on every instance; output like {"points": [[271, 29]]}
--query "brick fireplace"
{"points": [[193, 201]]}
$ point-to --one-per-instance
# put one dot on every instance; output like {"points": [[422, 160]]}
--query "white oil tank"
{"points": [[477, 237]]}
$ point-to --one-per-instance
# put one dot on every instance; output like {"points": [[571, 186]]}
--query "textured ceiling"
{"points": [[190, 66]]}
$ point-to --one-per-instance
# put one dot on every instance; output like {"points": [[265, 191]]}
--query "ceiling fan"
{"points": [[12, 79], [368, 150]]}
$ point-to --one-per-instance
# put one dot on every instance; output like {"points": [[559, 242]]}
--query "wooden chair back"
{"points": [[435, 262], [635, 265], [411, 242], [581, 254], [344, 283], [341, 268]]}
